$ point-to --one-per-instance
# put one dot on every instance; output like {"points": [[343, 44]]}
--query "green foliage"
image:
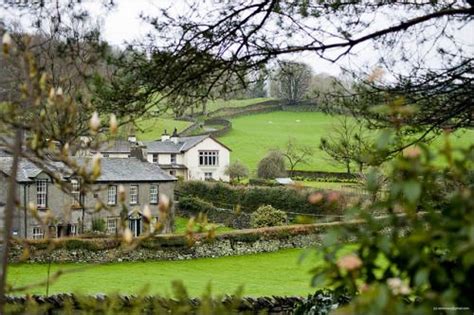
{"points": [[195, 205], [428, 253], [322, 302], [272, 165], [268, 216], [98, 225], [237, 170], [249, 199]]}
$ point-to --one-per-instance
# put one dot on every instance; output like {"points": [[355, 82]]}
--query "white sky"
{"points": [[123, 24]]}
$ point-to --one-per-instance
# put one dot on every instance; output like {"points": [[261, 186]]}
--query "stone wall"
{"points": [[69, 303], [201, 249]]}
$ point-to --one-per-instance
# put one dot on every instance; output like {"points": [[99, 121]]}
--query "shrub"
{"points": [[268, 216], [251, 198], [237, 170], [195, 205], [98, 225], [272, 166]]}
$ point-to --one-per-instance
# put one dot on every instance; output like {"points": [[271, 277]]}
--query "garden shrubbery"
{"points": [[268, 216], [288, 199]]}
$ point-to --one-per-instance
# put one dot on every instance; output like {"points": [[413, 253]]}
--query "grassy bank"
{"points": [[277, 273]]}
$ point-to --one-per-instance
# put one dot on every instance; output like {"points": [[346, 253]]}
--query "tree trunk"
{"points": [[8, 217]]}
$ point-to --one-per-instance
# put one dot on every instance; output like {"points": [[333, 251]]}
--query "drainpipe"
{"points": [[25, 211]]}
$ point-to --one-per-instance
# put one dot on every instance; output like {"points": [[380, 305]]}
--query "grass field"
{"points": [[153, 128], [277, 273], [252, 136]]}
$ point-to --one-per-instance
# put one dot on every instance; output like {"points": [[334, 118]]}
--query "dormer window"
{"points": [[155, 157], [173, 158]]}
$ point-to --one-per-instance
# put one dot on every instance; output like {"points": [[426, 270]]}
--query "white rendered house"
{"points": [[195, 157]]}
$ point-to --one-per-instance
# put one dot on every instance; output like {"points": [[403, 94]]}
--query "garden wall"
{"points": [[319, 175], [102, 304], [172, 247], [231, 112]]}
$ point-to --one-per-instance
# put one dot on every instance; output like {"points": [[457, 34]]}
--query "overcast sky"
{"points": [[123, 24]]}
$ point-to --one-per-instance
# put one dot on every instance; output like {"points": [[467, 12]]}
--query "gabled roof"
{"points": [[27, 171], [116, 146], [184, 144], [112, 170], [130, 170]]}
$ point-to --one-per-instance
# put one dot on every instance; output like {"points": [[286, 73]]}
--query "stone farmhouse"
{"points": [[144, 184], [196, 157]]}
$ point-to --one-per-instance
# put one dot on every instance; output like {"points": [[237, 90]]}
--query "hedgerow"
{"points": [[249, 199]]}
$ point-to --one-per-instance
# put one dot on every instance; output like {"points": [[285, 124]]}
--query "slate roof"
{"points": [[168, 146], [131, 170], [27, 170], [112, 170], [183, 145], [117, 146]]}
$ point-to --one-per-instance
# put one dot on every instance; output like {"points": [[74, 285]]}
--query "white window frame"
{"points": [[112, 195], [208, 175], [42, 193], [208, 158], [133, 194], [73, 231], [112, 225], [37, 233], [154, 157], [153, 194], [173, 158], [76, 192]]}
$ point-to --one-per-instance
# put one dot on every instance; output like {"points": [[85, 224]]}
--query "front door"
{"points": [[135, 226]]}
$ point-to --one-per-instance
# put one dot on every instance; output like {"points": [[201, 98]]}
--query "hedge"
{"points": [[179, 240], [288, 199]]}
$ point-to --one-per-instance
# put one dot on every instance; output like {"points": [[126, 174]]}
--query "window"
{"points": [[133, 194], [172, 173], [173, 158], [73, 230], [37, 232], [76, 193], [154, 194], [42, 193], [112, 195], [112, 225], [208, 158], [106, 155], [208, 175], [155, 157]]}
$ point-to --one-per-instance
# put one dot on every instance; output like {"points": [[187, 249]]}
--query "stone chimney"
{"points": [[139, 151], [175, 136], [165, 136], [132, 139]]}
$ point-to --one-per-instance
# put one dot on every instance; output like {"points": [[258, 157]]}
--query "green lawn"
{"points": [[252, 136], [277, 273]]}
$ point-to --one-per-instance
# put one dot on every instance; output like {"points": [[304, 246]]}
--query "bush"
{"points": [[222, 195], [195, 205], [272, 166], [98, 225], [268, 216]]}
